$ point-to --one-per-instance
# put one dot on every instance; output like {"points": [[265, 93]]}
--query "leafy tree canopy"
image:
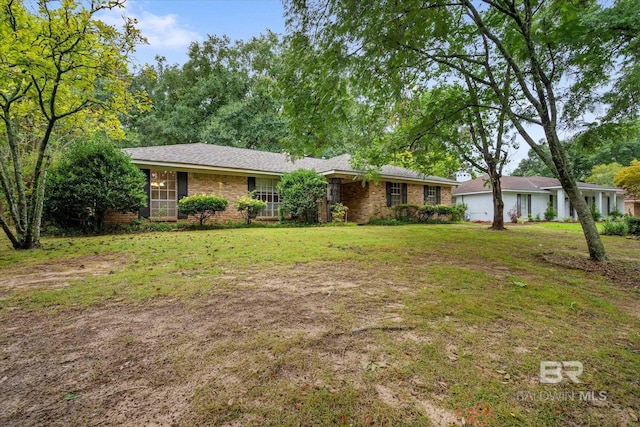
{"points": [[539, 60], [226, 94], [583, 157], [629, 179], [64, 74]]}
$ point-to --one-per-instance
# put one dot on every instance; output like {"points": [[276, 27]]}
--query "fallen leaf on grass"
{"points": [[74, 396], [372, 366]]}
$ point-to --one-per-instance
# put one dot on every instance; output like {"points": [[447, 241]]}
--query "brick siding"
{"points": [[365, 202]]}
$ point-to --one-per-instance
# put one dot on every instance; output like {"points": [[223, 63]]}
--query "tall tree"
{"points": [[226, 93], [63, 72], [391, 48], [587, 150], [628, 178], [470, 125]]}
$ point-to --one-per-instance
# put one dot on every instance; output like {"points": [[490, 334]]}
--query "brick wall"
{"points": [[446, 195], [415, 194], [113, 217], [230, 187], [356, 198], [364, 202], [370, 202], [632, 207]]}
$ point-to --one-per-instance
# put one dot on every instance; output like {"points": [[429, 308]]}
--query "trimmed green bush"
{"points": [[250, 207], [300, 192], [202, 206], [88, 179], [426, 212]]}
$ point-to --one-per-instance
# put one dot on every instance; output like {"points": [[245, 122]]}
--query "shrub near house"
{"points": [[88, 179], [202, 206], [300, 192]]}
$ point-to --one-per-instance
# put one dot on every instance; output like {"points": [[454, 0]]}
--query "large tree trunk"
{"points": [[498, 203], [594, 243], [570, 186]]}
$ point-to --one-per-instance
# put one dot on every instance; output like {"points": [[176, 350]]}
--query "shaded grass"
{"points": [[482, 310]]}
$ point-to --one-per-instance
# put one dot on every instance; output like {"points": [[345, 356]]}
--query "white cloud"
{"points": [[163, 32]]}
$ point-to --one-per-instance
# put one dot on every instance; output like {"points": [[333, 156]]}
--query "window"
{"points": [[396, 193], [164, 195], [266, 191], [431, 195]]}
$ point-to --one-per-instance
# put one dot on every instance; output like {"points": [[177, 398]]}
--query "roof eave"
{"points": [[191, 166], [389, 177]]}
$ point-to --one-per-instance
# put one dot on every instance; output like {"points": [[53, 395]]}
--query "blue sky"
{"points": [[171, 25]]}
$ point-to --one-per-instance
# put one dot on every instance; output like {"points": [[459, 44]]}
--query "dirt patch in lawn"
{"points": [[622, 273], [176, 362], [59, 275]]}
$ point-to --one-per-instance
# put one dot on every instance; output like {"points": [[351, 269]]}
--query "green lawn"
{"points": [[407, 325]]}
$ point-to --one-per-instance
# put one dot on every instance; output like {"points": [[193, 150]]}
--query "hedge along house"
{"points": [[176, 171], [531, 195]]}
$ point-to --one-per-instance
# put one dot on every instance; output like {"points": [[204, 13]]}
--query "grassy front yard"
{"points": [[411, 325]]}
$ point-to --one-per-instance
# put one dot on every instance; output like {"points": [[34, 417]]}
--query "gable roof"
{"points": [[532, 184], [243, 160]]}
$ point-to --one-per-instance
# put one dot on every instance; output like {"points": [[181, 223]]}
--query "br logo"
{"points": [[552, 372]]}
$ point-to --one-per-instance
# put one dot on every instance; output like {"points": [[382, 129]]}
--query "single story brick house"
{"points": [[531, 195], [176, 171]]}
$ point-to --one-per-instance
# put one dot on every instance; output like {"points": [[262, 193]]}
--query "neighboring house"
{"points": [[531, 195], [175, 171], [632, 206]]}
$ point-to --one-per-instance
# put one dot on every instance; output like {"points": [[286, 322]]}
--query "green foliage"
{"points": [[226, 94], [595, 213], [628, 178], [300, 192], [388, 54], [634, 225], [615, 213], [88, 179], [339, 212], [612, 227], [458, 212], [407, 211], [427, 212], [202, 206], [603, 174], [590, 161], [550, 213], [62, 72], [389, 221], [250, 207]]}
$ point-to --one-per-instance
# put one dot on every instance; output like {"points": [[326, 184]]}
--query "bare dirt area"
{"points": [[154, 363], [623, 273], [58, 275]]}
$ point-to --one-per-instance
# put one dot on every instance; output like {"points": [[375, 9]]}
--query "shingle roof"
{"points": [[242, 159], [519, 183]]}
